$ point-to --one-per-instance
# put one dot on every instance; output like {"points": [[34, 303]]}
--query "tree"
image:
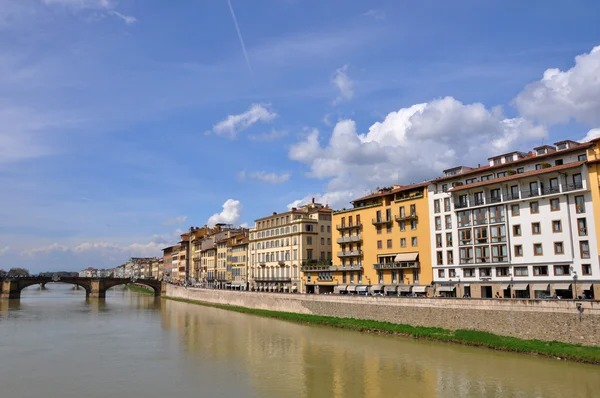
{"points": [[18, 272], [2, 273]]}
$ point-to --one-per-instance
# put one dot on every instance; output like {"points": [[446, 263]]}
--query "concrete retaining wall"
{"points": [[526, 319]]}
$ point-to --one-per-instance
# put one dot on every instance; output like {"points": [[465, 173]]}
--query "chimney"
{"points": [[294, 209], [274, 213], [313, 200]]}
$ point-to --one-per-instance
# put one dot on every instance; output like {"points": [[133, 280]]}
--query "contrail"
{"points": [[239, 33]]}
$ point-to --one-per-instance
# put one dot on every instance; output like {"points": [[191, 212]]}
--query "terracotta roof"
{"points": [[517, 176], [523, 160], [393, 191]]}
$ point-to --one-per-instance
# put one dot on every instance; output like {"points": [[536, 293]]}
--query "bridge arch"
{"points": [[155, 285]]}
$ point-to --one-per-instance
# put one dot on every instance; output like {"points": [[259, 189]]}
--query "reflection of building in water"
{"points": [[283, 359]]}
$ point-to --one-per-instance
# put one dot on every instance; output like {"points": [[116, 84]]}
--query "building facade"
{"points": [[237, 260], [281, 243], [382, 244], [521, 226]]}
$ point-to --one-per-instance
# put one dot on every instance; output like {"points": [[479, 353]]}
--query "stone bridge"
{"points": [[94, 287]]}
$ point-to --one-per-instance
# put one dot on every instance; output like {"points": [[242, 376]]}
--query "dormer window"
{"points": [[497, 161], [541, 151], [509, 158], [470, 180], [561, 146]]}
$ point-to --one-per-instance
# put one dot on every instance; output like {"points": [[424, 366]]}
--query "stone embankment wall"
{"points": [[547, 320]]}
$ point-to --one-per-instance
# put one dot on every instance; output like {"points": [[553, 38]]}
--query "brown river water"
{"points": [[55, 344]]}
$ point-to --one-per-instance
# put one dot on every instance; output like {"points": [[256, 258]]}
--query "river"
{"points": [[54, 343]]}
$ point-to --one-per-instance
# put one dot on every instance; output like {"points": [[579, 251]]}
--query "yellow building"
{"points": [[237, 261], [383, 243]]}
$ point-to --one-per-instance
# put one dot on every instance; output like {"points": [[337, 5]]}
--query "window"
{"points": [[438, 240], [379, 244], [558, 248], [521, 271], [485, 272], [502, 271], [344, 277], [582, 158], [438, 223], [448, 222], [478, 198], [309, 240], [441, 273], [482, 254], [452, 273], [534, 207], [402, 225], [501, 174], [582, 226], [561, 270], [535, 228], [450, 256], [465, 237], [466, 255], [520, 170], [322, 228], [447, 204], [496, 214], [413, 225], [323, 241], [469, 272], [514, 210], [481, 235], [554, 204], [388, 214], [464, 219], [389, 243], [403, 242], [516, 230], [388, 229], [540, 270], [413, 210], [378, 228], [480, 216], [402, 212], [487, 177], [537, 249], [440, 258], [308, 254], [498, 233], [538, 166], [444, 187], [499, 254], [558, 162], [436, 206], [518, 251], [328, 227], [579, 204], [328, 241], [586, 269], [448, 239], [556, 226], [413, 241], [584, 249]]}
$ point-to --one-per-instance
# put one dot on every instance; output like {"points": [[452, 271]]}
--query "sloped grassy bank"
{"points": [[573, 352], [139, 289]]}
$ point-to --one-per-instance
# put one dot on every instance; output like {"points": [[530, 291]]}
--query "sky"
{"points": [[125, 122]]}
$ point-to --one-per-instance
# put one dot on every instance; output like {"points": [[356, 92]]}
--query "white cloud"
{"points": [[270, 178], [377, 14], [231, 214], [344, 84], [128, 19], [103, 249], [272, 136], [4, 250], [339, 198], [81, 4], [54, 247], [174, 221], [593, 133], [237, 123], [562, 96], [408, 146]]}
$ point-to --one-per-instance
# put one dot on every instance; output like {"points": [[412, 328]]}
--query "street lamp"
{"points": [[511, 284], [457, 274], [576, 296]]}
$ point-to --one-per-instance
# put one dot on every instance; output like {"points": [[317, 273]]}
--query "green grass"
{"points": [[139, 289], [555, 349]]}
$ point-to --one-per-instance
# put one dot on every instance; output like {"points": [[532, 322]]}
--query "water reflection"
{"points": [[286, 359]]}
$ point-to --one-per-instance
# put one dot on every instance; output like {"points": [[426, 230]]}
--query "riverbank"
{"points": [[140, 289], [552, 349]]}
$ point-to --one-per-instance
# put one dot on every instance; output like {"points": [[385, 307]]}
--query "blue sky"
{"points": [[124, 122]]}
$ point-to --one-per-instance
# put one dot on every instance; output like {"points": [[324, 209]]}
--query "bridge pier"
{"points": [[43, 286], [10, 291]]}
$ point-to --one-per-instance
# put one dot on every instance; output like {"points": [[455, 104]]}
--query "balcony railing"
{"points": [[572, 187], [262, 264], [347, 267], [273, 279], [412, 216], [461, 205], [379, 221], [349, 239], [511, 196], [530, 194], [403, 265], [493, 199], [348, 226], [550, 190], [350, 253], [281, 263]]}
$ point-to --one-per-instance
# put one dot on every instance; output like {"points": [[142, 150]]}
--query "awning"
{"points": [[362, 288], [505, 286], [286, 288], [388, 289], [351, 288], [404, 288], [446, 288], [294, 288], [419, 289], [340, 288], [520, 287], [406, 257], [376, 288], [584, 286], [540, 286], [562, 286]]}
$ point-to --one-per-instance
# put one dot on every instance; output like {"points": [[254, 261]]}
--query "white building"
{"points": [[521, 226]]}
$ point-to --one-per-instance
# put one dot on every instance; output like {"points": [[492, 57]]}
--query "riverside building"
{"points": [[522, 226], [281, 244], [382, 244]]}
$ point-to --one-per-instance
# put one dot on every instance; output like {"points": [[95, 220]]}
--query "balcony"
{"points": [[409, 217], [550, 190], [381, 221], [348, 226], [406, 265], [262, 264], [461, 205], [511, 196], [281, 263], [317, 265], [350, 253], [273, 279], [349, 239], [353, 267], [573, 186], [530, 194]]}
